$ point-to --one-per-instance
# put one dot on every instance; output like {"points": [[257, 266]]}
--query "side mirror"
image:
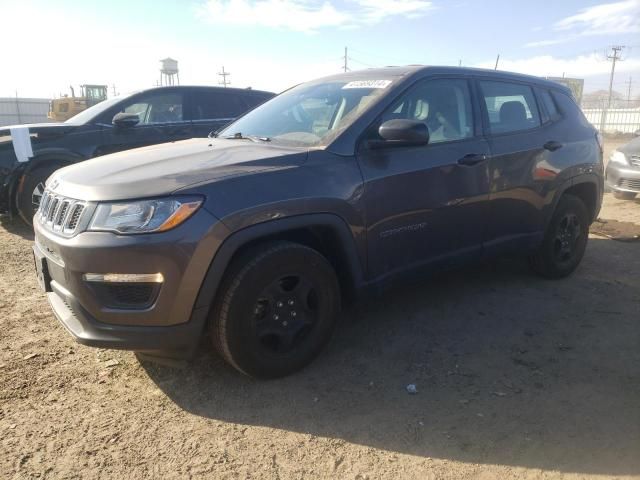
{"points": [[125, 120], [402, 133]]}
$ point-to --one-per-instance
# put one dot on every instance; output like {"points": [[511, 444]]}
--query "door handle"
{"points": [[472, 159], [552, 146]]}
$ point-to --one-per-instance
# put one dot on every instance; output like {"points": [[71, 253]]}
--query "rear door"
{"points": [[427, 204], [161, 119], [520, 181], [213, 108]]}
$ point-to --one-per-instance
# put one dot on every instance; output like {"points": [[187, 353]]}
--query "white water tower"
{"points": [[169, 72]]}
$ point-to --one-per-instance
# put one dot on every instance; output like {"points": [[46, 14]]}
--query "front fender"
{"points": [[243, 237]]}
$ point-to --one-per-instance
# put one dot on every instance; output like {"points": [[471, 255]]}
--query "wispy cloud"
{"points": [[605, 19], [309, 15], [547, 65]]}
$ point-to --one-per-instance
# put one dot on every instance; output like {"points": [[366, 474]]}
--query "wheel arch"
{"points": [[325, 232], [587, 188]]}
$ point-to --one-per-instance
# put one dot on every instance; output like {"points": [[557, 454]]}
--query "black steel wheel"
{"points": [[276, 311], [565, 240]]}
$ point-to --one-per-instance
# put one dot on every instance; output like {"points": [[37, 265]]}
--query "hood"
{"points": [[631, 148], [163, 169]]}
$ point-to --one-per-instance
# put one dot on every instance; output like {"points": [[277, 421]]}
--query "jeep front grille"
{"points": [[60, 214]]}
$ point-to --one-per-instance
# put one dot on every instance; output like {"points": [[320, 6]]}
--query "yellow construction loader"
{"points": [[65, 107]]}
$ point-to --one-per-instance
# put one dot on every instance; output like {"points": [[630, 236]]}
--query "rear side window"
{"points": [[549, 105], [217, 105], [511, 106], [254, 100]]}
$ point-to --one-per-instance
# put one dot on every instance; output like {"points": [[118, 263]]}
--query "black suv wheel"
{"points": [[565, 240], [28, 200], [277, 309]]}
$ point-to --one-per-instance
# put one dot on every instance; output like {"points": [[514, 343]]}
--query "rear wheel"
{"points": [[276, 311], [28, 200], [624, 195], [565, 240]]}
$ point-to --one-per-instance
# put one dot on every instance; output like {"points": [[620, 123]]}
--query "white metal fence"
{"points": [[15, 111], [615, 120]]}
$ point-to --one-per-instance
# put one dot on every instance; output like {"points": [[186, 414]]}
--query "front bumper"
{"points": [[623, 178], [172, 325]]}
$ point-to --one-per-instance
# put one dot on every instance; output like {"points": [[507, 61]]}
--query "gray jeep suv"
{"points": [[257, 236]]}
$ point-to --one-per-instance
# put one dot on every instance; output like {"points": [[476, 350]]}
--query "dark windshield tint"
{"points": [[309, 114]]}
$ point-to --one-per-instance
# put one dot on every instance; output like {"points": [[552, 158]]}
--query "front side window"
{"points": [[309, 114], [444, 105], [157, 108], [510, 106]]}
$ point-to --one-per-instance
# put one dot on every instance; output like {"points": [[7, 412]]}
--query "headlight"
{"points": [[144, 216], [618, 157]]}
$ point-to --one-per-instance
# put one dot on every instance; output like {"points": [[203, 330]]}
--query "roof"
{"points": [[401, 71]]}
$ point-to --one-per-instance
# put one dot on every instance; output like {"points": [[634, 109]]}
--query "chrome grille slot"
{"points": [[635, 160], [74, 218], [60, 214], [52, 210]]}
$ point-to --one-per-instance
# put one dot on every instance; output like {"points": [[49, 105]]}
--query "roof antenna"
{"points": [[497, 60]]}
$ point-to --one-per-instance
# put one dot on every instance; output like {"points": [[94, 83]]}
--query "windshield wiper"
{"points": [[239, 136]]}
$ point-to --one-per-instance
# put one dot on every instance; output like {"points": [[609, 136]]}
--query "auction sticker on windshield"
{"points": [[368, 84]]}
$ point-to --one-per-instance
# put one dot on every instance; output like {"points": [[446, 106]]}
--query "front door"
{"points": [[427, 204], [161, 120]]}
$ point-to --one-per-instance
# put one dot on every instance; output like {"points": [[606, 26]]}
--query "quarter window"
{"points": [[444, 105], [158, 108], [510, 106]]}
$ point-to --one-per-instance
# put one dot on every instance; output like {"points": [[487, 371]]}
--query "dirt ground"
{"points": [[516, 377]]}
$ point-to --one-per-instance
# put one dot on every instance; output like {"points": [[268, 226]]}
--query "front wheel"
{"points": [[565, 240], [28, 200], [277, 309]]}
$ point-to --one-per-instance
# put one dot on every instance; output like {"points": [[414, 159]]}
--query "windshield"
{"points": [[309, 114], [92, 112]]}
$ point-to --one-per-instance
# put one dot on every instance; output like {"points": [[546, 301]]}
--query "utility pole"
{"points": [[497, 60], [346, 68], [113, 87], [614, 57], [629, 82], [224, 76]]}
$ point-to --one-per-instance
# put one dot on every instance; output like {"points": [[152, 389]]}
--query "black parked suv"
{"points": [[29, 154], [352, 181]]}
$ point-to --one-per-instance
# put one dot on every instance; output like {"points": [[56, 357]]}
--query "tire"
{"points": [[624, 195], [565, 240], [276, 309], [32, 188]]}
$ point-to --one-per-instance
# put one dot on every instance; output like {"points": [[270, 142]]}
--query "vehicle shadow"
{"points": [[16, 227], [510, 369]]}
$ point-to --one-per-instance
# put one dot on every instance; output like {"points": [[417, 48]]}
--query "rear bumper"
{"points": [[621, 178]]}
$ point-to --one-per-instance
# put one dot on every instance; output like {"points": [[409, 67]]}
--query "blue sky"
{"points": [[272, 44]]}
